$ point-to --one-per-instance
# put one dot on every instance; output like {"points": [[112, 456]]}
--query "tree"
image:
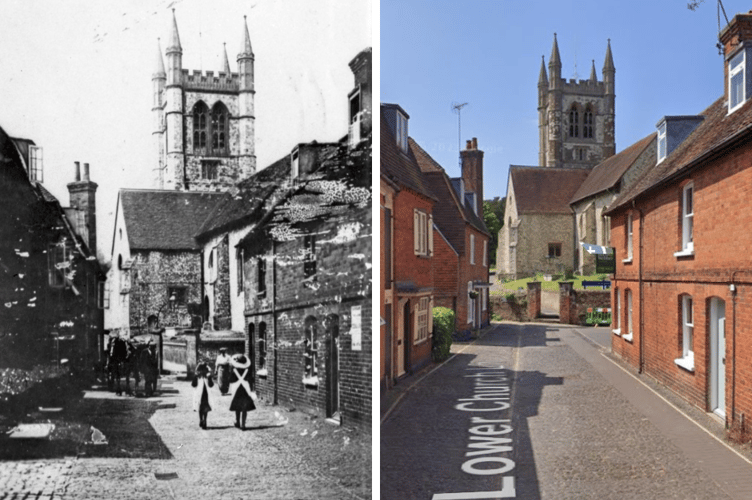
{"points": [[493, 224]]}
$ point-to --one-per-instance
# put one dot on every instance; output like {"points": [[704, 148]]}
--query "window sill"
{"points": [[262, 373], [629, 337], [627, 261], [617, 332], [421, 341], [687, 362], [312, 382], [684, 253]]}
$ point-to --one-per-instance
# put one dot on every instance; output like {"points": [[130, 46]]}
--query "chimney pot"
{"points": [[475, 143], [78, 170], [469, 144], [86, 171]]}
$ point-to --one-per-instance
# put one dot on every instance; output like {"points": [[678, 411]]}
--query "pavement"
{"points": [[568, 452], [154, 448]]}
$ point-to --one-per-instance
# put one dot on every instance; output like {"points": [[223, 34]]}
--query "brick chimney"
{"points": [[82, 193], [472, 173], [733, 37]]}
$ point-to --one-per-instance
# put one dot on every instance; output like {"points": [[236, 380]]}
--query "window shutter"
{"points": [[416, 231], [430, 234]]}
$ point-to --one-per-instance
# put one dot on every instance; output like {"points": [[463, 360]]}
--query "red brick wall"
{"points": [[412, 268], [722, 205], [471, 272], [446, 269]]}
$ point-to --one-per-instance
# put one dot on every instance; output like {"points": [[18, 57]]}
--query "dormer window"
{"points": [[401, 131], [736, 81], [36, 164], [662, 145]]}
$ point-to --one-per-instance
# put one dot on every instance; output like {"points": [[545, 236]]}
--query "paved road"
{"points": [[577, 426], [157, 450]]}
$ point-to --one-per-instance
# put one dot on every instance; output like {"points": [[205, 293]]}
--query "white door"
{"points": [[718, 356]]}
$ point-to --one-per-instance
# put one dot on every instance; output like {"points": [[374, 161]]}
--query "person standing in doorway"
{"points": [[242, 392], [222, 368]]}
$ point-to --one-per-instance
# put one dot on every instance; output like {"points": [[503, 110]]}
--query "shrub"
{"points": [[511, 297], [443, 327]]}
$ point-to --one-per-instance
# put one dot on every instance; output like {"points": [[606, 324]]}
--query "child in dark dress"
{"points": [[202, 381], [242, 392]]}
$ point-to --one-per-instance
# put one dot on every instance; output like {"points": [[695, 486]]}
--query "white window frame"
{"points": [[630, 323], [737, 65], [401, 126], [421, 320], [484, 299], [687, 361], [422, 233], [662, 149], [472, 249], [485, 253], [617, 295], [630, 238], [688, 216]]}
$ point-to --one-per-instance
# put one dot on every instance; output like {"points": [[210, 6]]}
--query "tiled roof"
{"points": [[607, 173], [717, 130], [165, 220], [251, 193], [450, 214], [545, 189], [399, 167]]}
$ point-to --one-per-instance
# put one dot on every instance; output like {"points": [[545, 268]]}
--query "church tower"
{"points": [[576, 118], [204, 123]]}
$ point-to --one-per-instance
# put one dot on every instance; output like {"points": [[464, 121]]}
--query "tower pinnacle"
{"points": [[593, 76], [226, 67], [174, 45], [543, 77], [159, 70], [247, 51], [554, 65]]}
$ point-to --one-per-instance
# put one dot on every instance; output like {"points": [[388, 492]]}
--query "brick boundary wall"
{"points": [[533, 299], [509, 311]]}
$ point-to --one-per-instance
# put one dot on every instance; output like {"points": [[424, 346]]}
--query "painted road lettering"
{"points": [[490, 439]]}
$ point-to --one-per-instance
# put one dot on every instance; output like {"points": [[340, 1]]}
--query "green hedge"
{"points": [[443, 327]]}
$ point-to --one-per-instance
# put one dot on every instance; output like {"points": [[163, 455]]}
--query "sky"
{"points": [[487, 53], [76, 78]]}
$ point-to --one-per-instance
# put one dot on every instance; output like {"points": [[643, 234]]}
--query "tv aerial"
{"points": [[457, 109]]}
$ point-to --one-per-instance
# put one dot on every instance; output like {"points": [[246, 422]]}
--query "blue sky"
{"points": [[488, 53]]}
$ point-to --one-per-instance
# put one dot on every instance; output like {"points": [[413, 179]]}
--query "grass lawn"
{"points": [[549, 285]]}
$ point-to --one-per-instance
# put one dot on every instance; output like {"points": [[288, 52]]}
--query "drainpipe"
{"points": [[733, 348], [640, 287], [274, 317]]}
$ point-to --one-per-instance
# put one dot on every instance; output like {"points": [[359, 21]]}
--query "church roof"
{"points": [[165, 220], [399, 167], [608, 173], [545, 190], [711, 137]]}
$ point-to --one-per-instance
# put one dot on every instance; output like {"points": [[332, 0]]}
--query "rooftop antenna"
{"points": [[720, 9], [457, 108]]}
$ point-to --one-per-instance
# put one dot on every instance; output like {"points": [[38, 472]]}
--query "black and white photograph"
{"points": [[186, 249]]}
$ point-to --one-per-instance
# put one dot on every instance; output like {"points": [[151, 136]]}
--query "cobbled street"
{"points": [[539, 412], [155, 449]]}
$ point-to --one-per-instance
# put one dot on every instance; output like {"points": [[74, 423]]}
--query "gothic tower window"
{"points": [[587, 123], [200, 113], [219, 128], [574, 122]]}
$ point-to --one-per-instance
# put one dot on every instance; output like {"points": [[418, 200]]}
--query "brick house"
{"points": [[52, 284], [407, 249], [683, 284], [296, 237], [461, 239], [601, 187]]}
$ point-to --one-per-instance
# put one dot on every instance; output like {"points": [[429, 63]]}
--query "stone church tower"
{"points": [[204, 123], [576, 117]]}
